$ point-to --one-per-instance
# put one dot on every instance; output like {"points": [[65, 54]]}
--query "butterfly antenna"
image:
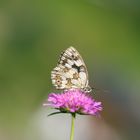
{"points": [[94, 89]]}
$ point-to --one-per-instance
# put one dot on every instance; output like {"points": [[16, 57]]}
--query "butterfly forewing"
{"points": [[71, 71]]}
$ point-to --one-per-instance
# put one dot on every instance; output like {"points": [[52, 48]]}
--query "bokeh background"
{"points": [[33, 34]]}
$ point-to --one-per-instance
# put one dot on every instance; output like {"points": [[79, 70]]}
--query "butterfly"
{"points": [[70, 72]]}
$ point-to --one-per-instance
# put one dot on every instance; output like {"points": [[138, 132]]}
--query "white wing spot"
{"points": [[78, 63], [67, 65], [75, 82], [70, 62], [68, 75], [82, 76]]}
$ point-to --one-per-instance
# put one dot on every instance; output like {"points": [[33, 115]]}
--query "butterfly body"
{"points": [[70, 72]]}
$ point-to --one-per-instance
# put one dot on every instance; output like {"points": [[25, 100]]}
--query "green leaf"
{"points": [[54, 113]]}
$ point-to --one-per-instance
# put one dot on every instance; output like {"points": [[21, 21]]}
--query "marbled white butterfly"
{"points": [[70, 72]]}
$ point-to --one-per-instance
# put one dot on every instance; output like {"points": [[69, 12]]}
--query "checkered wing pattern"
{"points": [[70, 72]]}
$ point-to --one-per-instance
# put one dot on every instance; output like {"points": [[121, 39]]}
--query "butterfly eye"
{"points": [[87, 89]]}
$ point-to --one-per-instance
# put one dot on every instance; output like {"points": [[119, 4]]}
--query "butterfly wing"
{"points": [[71, 71]]}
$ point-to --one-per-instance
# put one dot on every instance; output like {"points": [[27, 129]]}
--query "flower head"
{"points": [[74, 101]]}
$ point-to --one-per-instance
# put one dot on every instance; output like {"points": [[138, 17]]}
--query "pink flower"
{"points": [[74, 101]]}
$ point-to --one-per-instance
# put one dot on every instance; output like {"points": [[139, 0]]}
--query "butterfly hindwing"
{"points": [[71, 71]]}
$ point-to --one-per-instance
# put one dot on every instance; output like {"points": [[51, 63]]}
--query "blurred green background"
{"points": [[33, 34]]}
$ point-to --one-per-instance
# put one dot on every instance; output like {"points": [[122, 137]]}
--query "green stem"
{"points": [[72, 126]]}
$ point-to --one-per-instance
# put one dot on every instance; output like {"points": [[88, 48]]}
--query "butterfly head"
{"points": [[87, 89]]}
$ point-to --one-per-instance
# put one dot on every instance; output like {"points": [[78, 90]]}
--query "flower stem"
{"points": [[72, 126]]}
